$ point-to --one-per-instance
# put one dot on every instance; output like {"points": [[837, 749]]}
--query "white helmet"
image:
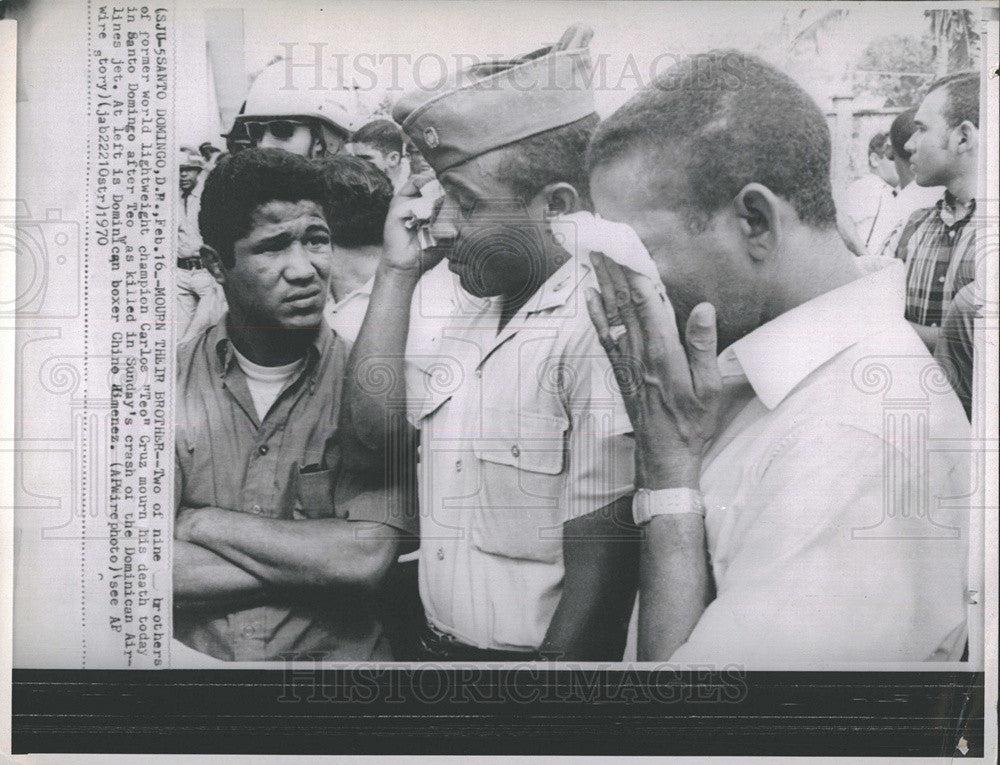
{"points": [[270, 96]]}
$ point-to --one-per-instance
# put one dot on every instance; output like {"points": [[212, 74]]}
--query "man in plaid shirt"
{"points": [[938, 243]]}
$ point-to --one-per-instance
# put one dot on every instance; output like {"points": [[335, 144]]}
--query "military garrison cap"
{"points": [[496, 103]]}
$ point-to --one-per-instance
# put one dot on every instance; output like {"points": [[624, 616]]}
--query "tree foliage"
{"points": [[896, 68], [955, 40]]}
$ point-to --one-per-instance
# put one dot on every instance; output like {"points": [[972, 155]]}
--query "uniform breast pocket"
{"points": [[522, 459]]}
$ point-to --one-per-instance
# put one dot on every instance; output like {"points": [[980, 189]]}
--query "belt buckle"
{"points": [[436, 643], [440, 635]]}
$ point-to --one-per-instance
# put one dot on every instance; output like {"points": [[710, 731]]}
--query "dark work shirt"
{"points": [[227, 457]]}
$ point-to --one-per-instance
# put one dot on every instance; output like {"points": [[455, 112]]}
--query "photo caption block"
{"points": [[129, 255]]}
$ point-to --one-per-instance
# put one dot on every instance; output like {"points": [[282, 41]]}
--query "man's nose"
{"points": [[299, 266], [268, 141], [444, 227]]}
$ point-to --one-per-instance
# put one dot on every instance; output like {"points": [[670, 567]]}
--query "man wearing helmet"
{"points": [[200, 302], [285, 112]]}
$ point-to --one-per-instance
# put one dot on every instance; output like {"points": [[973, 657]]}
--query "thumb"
{"points": [[414, 183], [701, 344]]}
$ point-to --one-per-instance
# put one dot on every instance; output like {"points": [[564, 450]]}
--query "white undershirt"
{"points": [[266, 383]]}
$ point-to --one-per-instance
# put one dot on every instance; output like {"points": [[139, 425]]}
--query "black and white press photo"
{"points": [[453, 360]]}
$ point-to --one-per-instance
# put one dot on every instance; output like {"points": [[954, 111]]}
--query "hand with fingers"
{"points": [[400, 244], [671, 388]]}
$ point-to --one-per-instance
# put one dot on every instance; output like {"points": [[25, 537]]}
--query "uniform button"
{"points": [[458, 466], [941, 280], [440, 553], [263, 449], [515, 451], [248, 631], [257, 510]]}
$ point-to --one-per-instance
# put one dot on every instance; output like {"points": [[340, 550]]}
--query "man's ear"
{"points": [[213, 262], [873, 159], [393, 158], [758, 214], [968, 137], [560, 199]]}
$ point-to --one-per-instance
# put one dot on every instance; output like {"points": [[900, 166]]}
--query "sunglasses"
{"points": [[282, 130]]}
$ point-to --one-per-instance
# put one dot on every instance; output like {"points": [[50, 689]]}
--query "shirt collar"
{"points": [[556, 290], [780, 354], [219, 340], [365, 290], [946, 210]]}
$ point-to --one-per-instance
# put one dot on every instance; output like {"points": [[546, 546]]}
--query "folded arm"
{"points": [[201, 577], [326, 552]]}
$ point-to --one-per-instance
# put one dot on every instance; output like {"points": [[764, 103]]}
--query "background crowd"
{"points": [[720, 487]]}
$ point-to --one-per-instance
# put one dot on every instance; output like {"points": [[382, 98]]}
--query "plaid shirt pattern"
{"points": [[940, 255]]}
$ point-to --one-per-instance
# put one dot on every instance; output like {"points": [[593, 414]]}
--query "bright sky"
{"points": [[628, 35]]}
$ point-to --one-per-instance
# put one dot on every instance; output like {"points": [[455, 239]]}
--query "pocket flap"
{"points": [[430, 405], [524, 440]]}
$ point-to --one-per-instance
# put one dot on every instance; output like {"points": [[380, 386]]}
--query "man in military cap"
{"points": [[525, 465]]}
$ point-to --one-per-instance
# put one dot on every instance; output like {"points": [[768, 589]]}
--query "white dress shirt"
{"points": [[865, 202], [889, 226], [836, 510]]}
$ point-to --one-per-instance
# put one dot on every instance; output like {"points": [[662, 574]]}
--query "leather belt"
{"points": [[440, 646]]}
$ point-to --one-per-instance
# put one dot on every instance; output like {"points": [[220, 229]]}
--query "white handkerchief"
{"points": [[617, 241]]}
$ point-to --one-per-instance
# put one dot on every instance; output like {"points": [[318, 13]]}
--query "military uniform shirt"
{"points": [[521, 431]]}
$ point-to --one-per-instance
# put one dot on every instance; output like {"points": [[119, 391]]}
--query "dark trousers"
{"points": [[436, 646]]}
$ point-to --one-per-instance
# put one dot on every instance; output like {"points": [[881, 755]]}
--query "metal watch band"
{"points": [[648, 503]]}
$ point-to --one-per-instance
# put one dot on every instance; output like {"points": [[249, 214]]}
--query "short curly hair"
{"points": [[384, 135], [962, 102], [358, 195], [877, 144], [726, 118], [558, 155], [240, 183]]}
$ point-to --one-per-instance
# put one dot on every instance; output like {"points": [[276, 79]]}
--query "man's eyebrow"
{"points": [[272, 242]]}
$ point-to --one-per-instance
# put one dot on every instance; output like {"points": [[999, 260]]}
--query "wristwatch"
{"points": [[648, 503]]}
